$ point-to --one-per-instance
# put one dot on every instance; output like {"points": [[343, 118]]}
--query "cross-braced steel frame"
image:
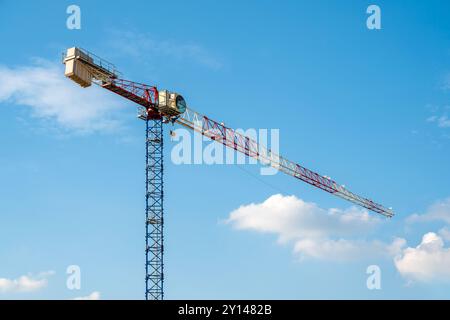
{"points": [[154, 278]]}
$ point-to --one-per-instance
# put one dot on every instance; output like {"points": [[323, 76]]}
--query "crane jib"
{"points": [[230, 138], [105, 74], [140, 94]]}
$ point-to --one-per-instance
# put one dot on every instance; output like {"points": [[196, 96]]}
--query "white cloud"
{"points": [[50, 96], [314, 232], [346, 250], [336, 250], [93, 296], [139, 45], [429, 261], [439, 115], [342, 235], [25, 283], [443, 121], [291, 217], [432, 118], [439, 211], [445, 234]]}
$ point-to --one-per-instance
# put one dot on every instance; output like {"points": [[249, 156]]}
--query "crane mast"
{"points": [[159, 107]]}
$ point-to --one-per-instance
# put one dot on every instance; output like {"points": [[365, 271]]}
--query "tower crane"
{"points": [[157, 107]]}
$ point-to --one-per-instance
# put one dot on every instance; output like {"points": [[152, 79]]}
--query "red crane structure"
{"points": [[158, 107]]}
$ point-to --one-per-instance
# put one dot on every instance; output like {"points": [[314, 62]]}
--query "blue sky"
{"points": [[367, 107]]}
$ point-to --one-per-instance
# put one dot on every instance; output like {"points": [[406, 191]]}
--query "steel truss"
{"points": [[154, 278]]}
